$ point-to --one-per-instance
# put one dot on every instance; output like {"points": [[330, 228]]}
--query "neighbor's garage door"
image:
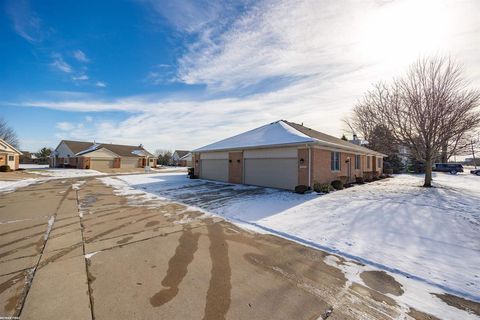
{"points": [[99, 164], [214, 169], [275, 173], [129, 163]]}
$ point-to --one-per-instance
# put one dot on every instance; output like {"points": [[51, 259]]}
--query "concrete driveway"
{"points": [[72, 249]]}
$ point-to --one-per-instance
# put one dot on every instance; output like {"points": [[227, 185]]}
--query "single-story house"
{"points": [[9, 155], [186, 160], [283, 155], [177, 158], [28, 158], [98, 156]]}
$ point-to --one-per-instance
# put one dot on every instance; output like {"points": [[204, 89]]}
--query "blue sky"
{"points": [[181, 74]]}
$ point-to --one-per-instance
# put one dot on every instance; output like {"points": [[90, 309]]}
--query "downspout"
{"points": [[309, 166]]}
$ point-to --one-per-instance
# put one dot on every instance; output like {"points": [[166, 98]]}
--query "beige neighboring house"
{"points": [[98, 156], [283, 155], [179, 158], [9, 155], [187, 160]]}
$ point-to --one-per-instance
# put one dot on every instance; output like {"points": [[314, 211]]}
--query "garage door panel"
{"points": [[275, 173], [99, 164], [214, 169], [129, 163]]}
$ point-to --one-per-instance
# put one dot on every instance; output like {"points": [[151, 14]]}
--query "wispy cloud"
{"points": [[100, 84], [25, 21], [60, 64], [82, 77], [80, 56], [64, 126]]}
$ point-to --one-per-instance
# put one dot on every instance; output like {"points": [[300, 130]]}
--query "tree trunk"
{"points": [[428, 173], [444, 156]]}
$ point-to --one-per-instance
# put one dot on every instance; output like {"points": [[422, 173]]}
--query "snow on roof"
{"points": [[275, 133], [139, 152], [93, 147]]}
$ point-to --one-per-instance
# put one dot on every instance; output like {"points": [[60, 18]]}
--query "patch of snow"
{"points": [[89, 255], [32, 166], [51, 221], [10, 186], [93, 147], [77, 185], [140, 153], [68, 173]]}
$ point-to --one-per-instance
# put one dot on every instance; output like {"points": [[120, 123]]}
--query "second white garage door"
{"points": [[214, 169], [275, 173], [99, 164], [129, 162]]}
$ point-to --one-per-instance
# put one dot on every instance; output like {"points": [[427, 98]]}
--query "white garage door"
{"points": [[214, 169], [275, 173], [99, 164], [129, 163]]}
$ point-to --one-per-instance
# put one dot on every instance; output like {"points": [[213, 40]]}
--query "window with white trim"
{"points": [[11, 158], [357, 162], [379, 162], [335, 161]]}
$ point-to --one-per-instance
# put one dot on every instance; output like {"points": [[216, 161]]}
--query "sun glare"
{"points": [[398, 33]]}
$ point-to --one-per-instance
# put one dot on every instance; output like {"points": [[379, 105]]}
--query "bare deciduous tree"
{"points": [[8, 134], [427, 109]]}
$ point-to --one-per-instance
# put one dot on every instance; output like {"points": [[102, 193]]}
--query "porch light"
{"points": [[302, 161]]}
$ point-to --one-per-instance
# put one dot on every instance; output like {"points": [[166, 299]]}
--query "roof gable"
{"points": [[282, 133], [82, 147], [5, 146], [275, 133]]}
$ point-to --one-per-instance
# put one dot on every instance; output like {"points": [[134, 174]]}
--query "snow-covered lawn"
{"points": [[33, 166], [45, 175], [429, 236], [67, 173]]}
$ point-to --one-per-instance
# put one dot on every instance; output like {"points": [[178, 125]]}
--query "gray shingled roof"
{"points": [[121, 150]]}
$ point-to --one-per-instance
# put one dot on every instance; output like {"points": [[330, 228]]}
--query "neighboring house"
{"points": [[98, 156], [187, 160], [28, 158], [283, 155], [9, 155], [177, 158]]}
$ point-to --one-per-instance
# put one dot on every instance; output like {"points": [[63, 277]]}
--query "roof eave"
{"points": [[267, 146]]}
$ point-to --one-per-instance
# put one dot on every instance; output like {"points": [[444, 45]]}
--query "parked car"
{"points": [[453, 168], [476, 171]]}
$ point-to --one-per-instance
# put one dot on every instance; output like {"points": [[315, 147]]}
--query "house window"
{"points": [[357, 162], [11, 158], [379, 162], [368, 162], [335, 161]]}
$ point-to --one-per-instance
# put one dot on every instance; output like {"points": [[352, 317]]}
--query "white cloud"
{"points": [[25, 21], [82, 77], [64, 126], [80, 56], [100, 84], [60, 64]]}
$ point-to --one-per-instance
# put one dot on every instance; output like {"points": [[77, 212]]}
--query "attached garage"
{"points": [[129, 162], [101, 164]]}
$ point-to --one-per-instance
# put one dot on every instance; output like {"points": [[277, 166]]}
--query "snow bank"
{"points": [[68, 173], [33, 166], [9, 186]]}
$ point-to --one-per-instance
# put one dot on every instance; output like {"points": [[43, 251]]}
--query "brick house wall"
{"points": [[196, 164], [303, 168], [116, 163], [83, 163], [17, 161]]}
